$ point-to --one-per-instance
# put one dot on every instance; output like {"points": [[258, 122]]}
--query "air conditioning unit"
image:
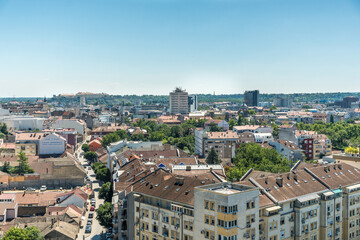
{"points": [[246, 235], [248, 225]]}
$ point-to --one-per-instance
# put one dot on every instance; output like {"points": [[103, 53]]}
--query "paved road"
{"points": [[97, 229]]}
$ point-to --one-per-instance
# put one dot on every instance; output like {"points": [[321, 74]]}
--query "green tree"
{"points": [[3, 128], [232, 123], [331, 119], [251, 155], [23, 166], [90, 156], [106, 192], [275, 130], [85, 147], [5, 167], [103, 174], [176, 131], [122, 134], [110, 138], [213, 157], [215, 128], [104, 214], [252, 112], [29, 233], [2, 135], [137, 137], [157, 136], [242, 120], [97, 165]]}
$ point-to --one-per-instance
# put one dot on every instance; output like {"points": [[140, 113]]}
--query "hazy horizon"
{"points": [[146, 47]]}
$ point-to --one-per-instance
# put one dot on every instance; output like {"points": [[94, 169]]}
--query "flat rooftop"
{"points": [[226, 188]]}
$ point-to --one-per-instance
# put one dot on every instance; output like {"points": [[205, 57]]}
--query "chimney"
{"points": [[340, 166], [288, 176], [188, 168], [266, 180], [325, 168], [279, 180], [334, 166], [295, 177]]}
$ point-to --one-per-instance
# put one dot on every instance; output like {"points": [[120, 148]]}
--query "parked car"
{"points": [[89, 222], [30, 189], [93, 204], [92, 208], [88, 229], [87, 178], [91, 215], [93, 200], [43, 188]]}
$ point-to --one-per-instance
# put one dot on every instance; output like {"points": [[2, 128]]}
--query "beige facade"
{"points": [[305, 205], [179, 102], [224, 143], [28, 148]]}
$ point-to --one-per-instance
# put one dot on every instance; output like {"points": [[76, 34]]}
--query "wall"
{"points": [[52, 144]]}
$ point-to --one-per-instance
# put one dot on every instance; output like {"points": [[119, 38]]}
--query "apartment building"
{"points": [[314, 202], [322, 146], [288, 150], [160, 206], [39, 143], [251, 98], [306, 142], [224, 143], [179, 102], [252, 129]]}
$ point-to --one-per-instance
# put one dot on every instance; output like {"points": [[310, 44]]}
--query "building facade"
{"points": [[251, 98], [224, 143], [179, 101]]}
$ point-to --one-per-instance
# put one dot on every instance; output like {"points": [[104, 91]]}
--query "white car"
{"points": [[43, 188]]}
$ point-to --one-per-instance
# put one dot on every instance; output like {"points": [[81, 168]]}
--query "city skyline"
{"points": [[226, 47]]}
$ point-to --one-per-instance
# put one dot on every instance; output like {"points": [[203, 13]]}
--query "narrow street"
{"points": [[97, 231]]}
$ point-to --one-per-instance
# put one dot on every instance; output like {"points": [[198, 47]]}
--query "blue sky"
{"points": [[150, 46]]}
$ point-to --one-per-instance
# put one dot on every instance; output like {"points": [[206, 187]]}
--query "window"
{"points": [[165, 232], [175, 221], [209, 220], [145, 213], [209, 234], [227, 224], [155, 228], [165, 219], [234, 237], [175, 235], [188, 225], [188, 237], [154, 215], [250, 204], [282, 220], [209, 205], [227, 209]]}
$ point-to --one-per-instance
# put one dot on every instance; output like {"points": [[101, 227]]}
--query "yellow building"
{"points": [[322, 146], [28, 148]]}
